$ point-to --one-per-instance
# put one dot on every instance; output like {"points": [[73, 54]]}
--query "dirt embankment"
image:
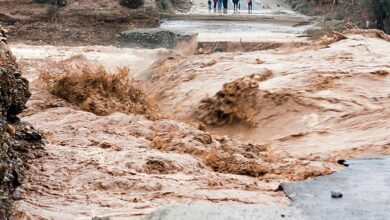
{"points": [[83, 22], [19, 142]]}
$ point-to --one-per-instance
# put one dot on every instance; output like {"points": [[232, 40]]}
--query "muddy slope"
{"points": [[19, 142], [83, 22]]}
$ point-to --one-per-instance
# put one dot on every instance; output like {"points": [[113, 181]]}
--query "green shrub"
{"points": [[340, 16], [304, 8], [318, 33], [166, 5], [293, 3]]}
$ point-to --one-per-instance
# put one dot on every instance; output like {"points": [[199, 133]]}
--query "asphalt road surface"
{"points": [[364, 184]]}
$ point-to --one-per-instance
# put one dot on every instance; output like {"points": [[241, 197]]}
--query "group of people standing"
{"points": [[219, 4]]}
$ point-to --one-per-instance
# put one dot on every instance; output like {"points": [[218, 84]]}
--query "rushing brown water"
{"points": [[316, 106], [318, 102]]}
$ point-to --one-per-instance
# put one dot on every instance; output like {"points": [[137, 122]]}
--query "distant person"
{"points": [[225, 6], [249, 6], [235, 5], [219, 5], [209, 3], [215, 4]]}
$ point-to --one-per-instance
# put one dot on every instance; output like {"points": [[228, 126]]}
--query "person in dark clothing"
{"points": [[219, 5], [235, 5], [215, 4], [209, 3], [225, 6], [249, 6]]}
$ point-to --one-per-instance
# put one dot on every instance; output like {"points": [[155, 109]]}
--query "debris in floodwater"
{"points": [[336, 195]]}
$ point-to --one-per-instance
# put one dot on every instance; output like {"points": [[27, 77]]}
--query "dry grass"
{"points": [[98, 91]]}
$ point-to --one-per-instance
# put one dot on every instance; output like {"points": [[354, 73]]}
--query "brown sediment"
{"points": [[311, 108], [236, 101], [369, 33], [99, 91], [229, 156], [303, 108]]}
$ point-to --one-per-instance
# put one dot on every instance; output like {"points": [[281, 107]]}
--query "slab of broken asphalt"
{"points": [[364, 187]]}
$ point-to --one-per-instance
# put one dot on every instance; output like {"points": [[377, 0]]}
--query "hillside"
{"points": [[79, 22], [364, 13]]}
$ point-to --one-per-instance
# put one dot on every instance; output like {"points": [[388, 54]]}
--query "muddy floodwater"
{"points": [[307, 106], [234, 31], [236, 124]]}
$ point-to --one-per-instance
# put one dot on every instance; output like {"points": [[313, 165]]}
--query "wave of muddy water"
{"points": [[321, 104], [105, 165]]}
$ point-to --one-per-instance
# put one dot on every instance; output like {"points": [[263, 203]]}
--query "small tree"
{"points": [[382, 13]]}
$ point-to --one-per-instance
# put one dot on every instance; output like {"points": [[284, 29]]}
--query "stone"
{"points": [[17, 195], [4, 47], [33, 135], [3, 30], [10, 129], [3, 55], [2, 170], [342, 162], [336, 195]]}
